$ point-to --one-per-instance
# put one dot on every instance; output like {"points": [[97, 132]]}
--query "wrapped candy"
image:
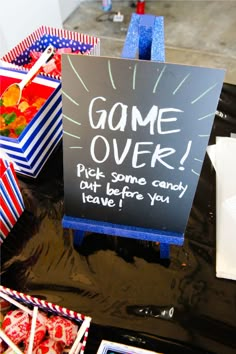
{"points": [[31, 330], [42, 318], [64, 50], [16, 325], [1, 319], [62, 330], [39, 335], [2, 346], [53, 66], [48, 346], [4, 306]]}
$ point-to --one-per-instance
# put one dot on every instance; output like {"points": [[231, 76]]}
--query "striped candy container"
{"points": [[32, 148], [11, 201], [27, 302], [38, 140], [59, 38]]}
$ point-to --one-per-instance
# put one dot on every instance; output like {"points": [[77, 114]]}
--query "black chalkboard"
{"points": [[134, 138]]}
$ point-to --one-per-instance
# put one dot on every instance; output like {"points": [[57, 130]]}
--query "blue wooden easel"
{"points": [[145, 36]]}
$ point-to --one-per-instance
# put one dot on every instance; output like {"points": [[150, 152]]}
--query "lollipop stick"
{"points": [[16, 303], [9, 342], [77, 350], [41, 318], [8, 351], [80, 334], [32, 330]]}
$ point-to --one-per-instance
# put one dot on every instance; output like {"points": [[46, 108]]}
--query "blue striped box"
{"points": [[30, 151]]}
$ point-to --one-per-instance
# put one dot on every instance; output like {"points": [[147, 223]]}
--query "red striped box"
{"points": [[81, 320], [19, 56], [11, 201]]}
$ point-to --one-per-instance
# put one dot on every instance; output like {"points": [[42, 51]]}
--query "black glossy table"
{"points": [[122, 283]]}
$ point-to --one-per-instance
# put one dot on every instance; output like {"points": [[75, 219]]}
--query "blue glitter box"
{"points": [[19, 56]]}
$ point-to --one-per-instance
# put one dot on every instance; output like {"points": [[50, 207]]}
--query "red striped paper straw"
{"points": [[80, 334]]}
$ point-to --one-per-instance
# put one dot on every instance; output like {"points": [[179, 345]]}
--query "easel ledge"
{"points": [[81, 225]]}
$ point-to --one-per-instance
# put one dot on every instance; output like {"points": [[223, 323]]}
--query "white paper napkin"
{"points": [[223, 157]]}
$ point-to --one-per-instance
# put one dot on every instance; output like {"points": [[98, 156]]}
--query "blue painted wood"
{"points": [[164, 250], [145, 36], [158, 40], [146, 25], [130, 47], [122, 230], [78, 236]]}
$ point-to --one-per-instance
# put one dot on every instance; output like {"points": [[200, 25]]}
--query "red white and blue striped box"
{"points": [[32, 148], [11, 201], [83, 321], [59, 38]]}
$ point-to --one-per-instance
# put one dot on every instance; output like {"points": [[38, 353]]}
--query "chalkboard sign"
{"points": [[134, 138]]}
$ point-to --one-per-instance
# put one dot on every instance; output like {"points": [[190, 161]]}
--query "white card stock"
{"points": [[223, 156]]}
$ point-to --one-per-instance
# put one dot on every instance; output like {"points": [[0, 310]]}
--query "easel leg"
{"points": [[164, 250], [78, 236]]}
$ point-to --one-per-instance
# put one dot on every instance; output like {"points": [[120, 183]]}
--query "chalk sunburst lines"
{"points": [[195, 173], [192, 102], [134, 76], [181, 83], [192, 170], [204, 93], [74, 102], [209, 115], [199, 160], [110, 75], [70, 98], [77, 74], [159, 78], [71, 120], [74, 136]]}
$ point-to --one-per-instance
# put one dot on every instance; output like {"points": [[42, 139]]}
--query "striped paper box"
{"points": [[59, 38], [81, 320], [30, 151], [11, 201]]}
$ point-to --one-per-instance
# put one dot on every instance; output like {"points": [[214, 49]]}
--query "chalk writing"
{"points": [[134, 138], [115, 196], [119, 177], [89, 172], [154, 118], [157, 154], [158, 198], [104, 201], [170, 185]]}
